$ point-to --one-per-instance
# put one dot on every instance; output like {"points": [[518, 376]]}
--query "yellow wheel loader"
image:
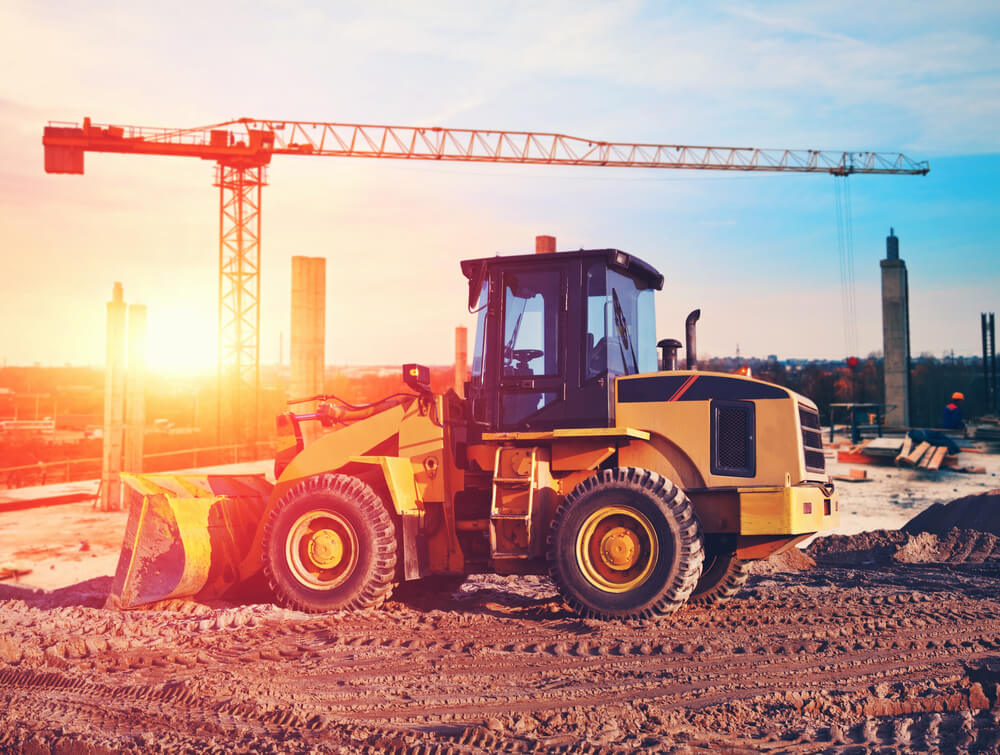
{"points": [[637, 486]]}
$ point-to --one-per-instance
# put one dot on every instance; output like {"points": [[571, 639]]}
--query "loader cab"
{"points": [[553, 332]]}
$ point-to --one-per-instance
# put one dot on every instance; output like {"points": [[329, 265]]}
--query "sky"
{"points": [[762, 255]]}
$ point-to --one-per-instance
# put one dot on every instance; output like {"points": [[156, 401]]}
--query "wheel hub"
{"points": [[326, 548], [321, 549], [620, 549], [616, 548]]}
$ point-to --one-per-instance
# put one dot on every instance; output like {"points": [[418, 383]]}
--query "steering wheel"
{"points": [[526, 355]]}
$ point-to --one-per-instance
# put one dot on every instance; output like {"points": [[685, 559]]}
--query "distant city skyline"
{"points": [[761, 255]]}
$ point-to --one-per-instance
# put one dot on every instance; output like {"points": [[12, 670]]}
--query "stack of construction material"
{"points": [[878, 451], [924, 455]]}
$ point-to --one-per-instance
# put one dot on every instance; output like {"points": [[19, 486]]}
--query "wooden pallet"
{"points": [[912, 459], [905, 450], [934, 458]]}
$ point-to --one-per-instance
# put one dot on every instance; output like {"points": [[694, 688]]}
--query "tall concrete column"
{"points": [[114, 403], [896, 334], [461, 359], [135, 388], [308, 334]]}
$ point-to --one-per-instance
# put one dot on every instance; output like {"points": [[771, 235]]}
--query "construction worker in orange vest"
{"points": [[951, 418]]}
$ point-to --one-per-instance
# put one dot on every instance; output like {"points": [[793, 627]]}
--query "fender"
{"points": [[329, 453], [397, 474]]}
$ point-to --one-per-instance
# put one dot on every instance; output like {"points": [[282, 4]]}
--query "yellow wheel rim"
{"points": [[321, 549], [616, 548]]}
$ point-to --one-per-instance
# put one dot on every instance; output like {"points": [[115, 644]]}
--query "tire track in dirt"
{"points": [[791, 665], [66, 702]]}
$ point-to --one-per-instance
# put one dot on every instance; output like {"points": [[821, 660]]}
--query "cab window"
{"points": [[621, 335], [480, 345], [531, 323], [630, 323], [595, 353]]}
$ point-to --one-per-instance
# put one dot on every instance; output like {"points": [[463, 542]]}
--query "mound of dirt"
{"points": [[972, 512], [877, 547], [898, 546], [793, 559], [965, 530], [957, 546]]}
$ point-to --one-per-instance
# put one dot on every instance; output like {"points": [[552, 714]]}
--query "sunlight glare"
{"points": [[182, 341]]}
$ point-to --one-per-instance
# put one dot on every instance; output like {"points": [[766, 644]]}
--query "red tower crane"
{"points": [[242, 149]]}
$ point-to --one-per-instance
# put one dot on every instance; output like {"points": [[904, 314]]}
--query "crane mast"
{"points": [[242, 149]]}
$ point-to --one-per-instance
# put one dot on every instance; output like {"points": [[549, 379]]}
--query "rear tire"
{"points": [[722, 577], [330, 545], [625, 544]]}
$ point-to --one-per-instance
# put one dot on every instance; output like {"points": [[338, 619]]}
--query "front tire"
{"points": [[625, 544], [330, 545]]}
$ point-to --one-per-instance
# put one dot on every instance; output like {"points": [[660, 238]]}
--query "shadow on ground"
{"points": [[90, 593]]}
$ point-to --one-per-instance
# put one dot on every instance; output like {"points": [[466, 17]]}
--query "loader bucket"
{"points": [[186, 535]]}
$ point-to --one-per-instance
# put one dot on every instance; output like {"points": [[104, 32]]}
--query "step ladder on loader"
{"points": [[512, 508]]}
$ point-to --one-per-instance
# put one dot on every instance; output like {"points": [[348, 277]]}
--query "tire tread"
{"points": [[377, 588], [727, 587], [670, 498]]}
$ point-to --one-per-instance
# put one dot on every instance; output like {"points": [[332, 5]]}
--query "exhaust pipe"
{"points": [[689, 333]]}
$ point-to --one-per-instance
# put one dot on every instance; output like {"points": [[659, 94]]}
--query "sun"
{"points": [[181, 340]]}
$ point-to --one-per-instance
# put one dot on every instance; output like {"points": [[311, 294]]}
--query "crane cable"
{"points": [[845, 252]]}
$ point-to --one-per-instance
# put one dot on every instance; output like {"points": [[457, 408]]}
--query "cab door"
{"points": [[532, 364]]}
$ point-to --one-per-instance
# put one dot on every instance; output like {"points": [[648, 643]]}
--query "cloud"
{"points": [[909, 76], [823, 75], [918, 74]]}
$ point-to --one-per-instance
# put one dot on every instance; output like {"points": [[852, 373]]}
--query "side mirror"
{"points": [[476, 286]]}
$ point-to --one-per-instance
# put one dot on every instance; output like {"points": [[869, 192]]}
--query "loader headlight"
{"points": [[417, 377]]}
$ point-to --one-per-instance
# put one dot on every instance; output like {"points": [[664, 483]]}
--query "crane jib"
{"points": [[258, 140]]}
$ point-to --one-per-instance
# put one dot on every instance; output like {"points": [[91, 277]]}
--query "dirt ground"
{"points": [[890, 643]]}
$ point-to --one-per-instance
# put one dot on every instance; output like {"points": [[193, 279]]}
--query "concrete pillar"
{"points": [[114, 403], [461, 359], [545, 244], [308, 335], [896, 334], [135, 388]]}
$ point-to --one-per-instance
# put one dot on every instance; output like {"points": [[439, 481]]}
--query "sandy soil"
{"points": [[890, 643], [61, 545]]}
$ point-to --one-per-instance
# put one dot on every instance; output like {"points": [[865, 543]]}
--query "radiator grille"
{"points": [[733, 438], [809, 417], [815, 461], [812, 439]]}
